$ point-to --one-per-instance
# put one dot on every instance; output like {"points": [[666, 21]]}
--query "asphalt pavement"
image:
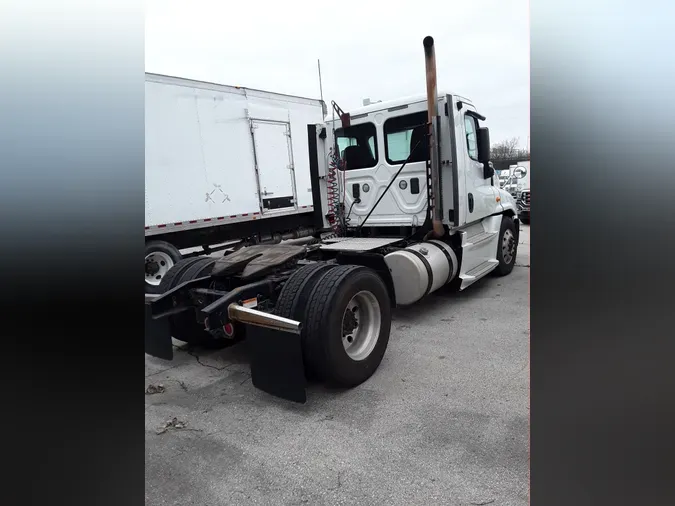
{"points": [[444, 420]]}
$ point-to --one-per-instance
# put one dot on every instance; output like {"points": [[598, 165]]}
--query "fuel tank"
{"points": [[421, 269]]}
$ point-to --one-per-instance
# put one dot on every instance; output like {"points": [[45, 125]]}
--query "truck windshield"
{"points": [[357, 145]]}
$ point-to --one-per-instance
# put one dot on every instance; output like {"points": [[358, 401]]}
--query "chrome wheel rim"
{"points": [[361, 324], [508, 246], [157, 264]]}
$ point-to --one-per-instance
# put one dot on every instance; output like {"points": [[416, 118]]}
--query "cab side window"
{"points": [[471, 127], [357, 146], [402, 134]]}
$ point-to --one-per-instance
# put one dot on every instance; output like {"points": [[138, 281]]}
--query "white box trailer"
{"points": [[222, 163]]}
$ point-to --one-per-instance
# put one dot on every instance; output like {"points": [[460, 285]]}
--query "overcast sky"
{"points": [[367, 49]]}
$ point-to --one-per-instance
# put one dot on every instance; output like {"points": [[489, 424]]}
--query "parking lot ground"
{"points": [[523, 257], [444, 420]]}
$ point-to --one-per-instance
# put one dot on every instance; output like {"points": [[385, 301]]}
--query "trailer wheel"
{"points": [[160, 257], [507, 247], [347, 325]]}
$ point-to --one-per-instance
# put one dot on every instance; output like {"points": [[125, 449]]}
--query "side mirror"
{"points": [[483, 145], [520, 172], [484, 152]]}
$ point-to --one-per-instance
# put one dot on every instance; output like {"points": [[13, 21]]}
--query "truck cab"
{"points": [[381, 137]]}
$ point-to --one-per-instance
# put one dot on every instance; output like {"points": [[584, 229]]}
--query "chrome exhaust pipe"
{"points": [[261, 319], [432, 108]]}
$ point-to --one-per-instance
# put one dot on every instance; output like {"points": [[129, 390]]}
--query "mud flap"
{"points": [[157, 336], [276, 363]]}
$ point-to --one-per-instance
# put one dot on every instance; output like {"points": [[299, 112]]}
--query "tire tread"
{"points": [[184, 326], [295, 285], [318, 311], [174, 274], [503, 269]]}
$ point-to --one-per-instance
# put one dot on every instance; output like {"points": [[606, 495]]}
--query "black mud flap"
{"points": [[276, 363], [157, 336]]}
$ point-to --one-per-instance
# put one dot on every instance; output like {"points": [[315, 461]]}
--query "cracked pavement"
{"points": [[444, 420]]}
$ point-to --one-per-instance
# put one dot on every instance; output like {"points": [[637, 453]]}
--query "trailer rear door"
{"points": [[274, 164]]}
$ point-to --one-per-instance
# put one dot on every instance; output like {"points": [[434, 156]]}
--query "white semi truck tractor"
{"points": [[405, 203]]}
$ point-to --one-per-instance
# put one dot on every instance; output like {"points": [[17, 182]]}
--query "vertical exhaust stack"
{"points": [[432, 107]]}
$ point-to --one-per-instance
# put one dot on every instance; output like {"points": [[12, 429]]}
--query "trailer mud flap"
{"points": [[157, 336], [276, 363]]}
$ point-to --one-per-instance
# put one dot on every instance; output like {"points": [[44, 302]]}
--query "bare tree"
{"points": [[508, 150]]}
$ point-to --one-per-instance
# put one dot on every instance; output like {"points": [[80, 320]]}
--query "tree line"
{"points": [[509, 150]]}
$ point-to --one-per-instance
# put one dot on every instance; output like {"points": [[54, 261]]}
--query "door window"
{"points": [[471, 127]]}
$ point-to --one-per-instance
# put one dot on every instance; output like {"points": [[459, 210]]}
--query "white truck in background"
{"points": [[517, 176], [503, 177], [222, 163], [518, 185]]}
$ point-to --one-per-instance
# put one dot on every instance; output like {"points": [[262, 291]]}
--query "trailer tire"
{"points": [[347, 325], [162, 256], [507, 247]]}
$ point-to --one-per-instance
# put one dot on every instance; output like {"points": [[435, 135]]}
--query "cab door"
{"points": [[480, 193]]}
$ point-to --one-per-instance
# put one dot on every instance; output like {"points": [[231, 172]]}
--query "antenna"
{"points": [[318, 63]]}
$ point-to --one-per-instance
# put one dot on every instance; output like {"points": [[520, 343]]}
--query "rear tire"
{"points": [[171, 279], [507, 247], [292, 301], [160, 258], [184, 326], [294, 296], [346, 301]]}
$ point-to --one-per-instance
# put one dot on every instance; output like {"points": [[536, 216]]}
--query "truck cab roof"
{"points": [[391, 104]]}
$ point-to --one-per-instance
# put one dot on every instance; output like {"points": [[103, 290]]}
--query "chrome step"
{"points": [[479, 238], [478, 272]]}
